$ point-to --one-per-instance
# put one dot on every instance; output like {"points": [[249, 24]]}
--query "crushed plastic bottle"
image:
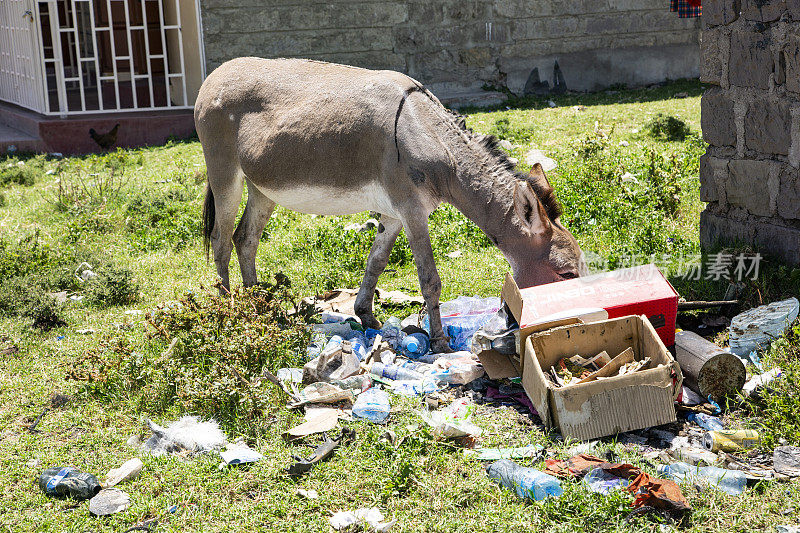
{"points": [[415, 345], [417, 387], [707, 422], [373, 405], [526, 482], [600, 481], [730, 482], [62, 482], [757, 328], [395, 372]]}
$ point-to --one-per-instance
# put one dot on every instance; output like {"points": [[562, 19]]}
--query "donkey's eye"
{"points": [[568, 275]]}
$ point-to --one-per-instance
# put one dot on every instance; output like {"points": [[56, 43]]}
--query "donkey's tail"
{"points": [[209, 215]]}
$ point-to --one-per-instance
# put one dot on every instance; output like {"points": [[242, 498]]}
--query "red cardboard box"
{"points": [[641, 290]]}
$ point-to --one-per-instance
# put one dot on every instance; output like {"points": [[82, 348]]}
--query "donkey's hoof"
{"points": [[369, 321], [441, 346]]}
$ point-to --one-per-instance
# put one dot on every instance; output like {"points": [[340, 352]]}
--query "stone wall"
{"points": [[751, 118], [458, 46]]}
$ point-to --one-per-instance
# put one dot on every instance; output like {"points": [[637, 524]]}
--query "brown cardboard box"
{"points": [[609, 406]]}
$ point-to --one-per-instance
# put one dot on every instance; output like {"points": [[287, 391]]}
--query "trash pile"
{"points": [[608, 358]]}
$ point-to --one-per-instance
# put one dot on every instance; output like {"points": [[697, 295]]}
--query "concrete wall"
{"points": [[751, 119], [457, 46]]}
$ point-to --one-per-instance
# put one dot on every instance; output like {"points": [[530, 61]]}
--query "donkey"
{"points": [[332, 139]]}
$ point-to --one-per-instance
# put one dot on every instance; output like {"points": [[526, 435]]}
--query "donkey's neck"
{"points": [[481, 187]]}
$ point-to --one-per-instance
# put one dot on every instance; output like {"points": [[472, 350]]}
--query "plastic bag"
{"points": [[462, 317], [453, 420]]}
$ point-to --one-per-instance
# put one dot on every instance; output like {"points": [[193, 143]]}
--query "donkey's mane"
{"points": [[501, 161]]}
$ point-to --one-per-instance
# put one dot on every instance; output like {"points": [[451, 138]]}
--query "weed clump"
{"points": [[113, 286], [205, 355], [667, 127], [776, 410], [23, 297], [18, 172], [503, 129]]}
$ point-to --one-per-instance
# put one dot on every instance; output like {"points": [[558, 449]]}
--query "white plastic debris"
{"points": [[128, 470], [84, 272], [238, 453], [453, 420], [188, 433], [624, 143], [454, 254], [369, 516], [760, 381], [628, 178], [505, 144], [537, 156], [757, 328], [311, 494], [551, 103], [109, 501]]}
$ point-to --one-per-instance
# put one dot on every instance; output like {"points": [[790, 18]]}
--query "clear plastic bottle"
{"points": [[333, 344], [415, 345], [707, 422], [394, 372], [391, 333], [526, 482], [730, 482], [373, 405], [416, 366]]}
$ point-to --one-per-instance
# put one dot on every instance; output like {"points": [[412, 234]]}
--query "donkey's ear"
{"points": [[530, 211], [536, 175]]}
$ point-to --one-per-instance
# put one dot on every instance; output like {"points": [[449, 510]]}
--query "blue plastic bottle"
{"points": [[526, 482], [707, 422], [415, 345]]}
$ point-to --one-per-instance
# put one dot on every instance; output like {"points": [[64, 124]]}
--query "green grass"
{"points": [[134, 216]]}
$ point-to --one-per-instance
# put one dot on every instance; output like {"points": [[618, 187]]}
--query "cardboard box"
{"points": [[641, 290], [613, 405]]}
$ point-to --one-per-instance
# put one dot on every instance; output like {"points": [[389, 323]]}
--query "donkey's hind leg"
{"points": [[256, 213], [388, 230], [226, 185]]}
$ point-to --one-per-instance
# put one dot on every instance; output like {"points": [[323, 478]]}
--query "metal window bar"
{"points": [[75, 63], [147, 53]]}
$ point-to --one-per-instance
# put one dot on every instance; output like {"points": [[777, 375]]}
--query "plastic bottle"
{"points": [[394, 372], [390, 332], [707, 422], [358, 348], [730, 482], [415, 345], [373, 405], [333, 344], [416, 366], [61, 482], [526, 482], [598, 480]]}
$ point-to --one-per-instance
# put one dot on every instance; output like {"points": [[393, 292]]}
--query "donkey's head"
{"points": [[540, 250]]}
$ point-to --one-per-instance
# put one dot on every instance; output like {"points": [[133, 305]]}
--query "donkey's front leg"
{"points": [[388, 230], [429, 282]]}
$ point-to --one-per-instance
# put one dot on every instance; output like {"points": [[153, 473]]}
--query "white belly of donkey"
{"points": [[319, 200]]}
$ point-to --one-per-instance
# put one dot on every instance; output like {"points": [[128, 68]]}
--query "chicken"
{"points": [[105, 140]]}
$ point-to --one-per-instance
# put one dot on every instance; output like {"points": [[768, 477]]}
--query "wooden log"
{"points": [[707, 368]]}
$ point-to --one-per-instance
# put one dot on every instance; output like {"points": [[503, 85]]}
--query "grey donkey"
{"points": [[332, 139]]}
